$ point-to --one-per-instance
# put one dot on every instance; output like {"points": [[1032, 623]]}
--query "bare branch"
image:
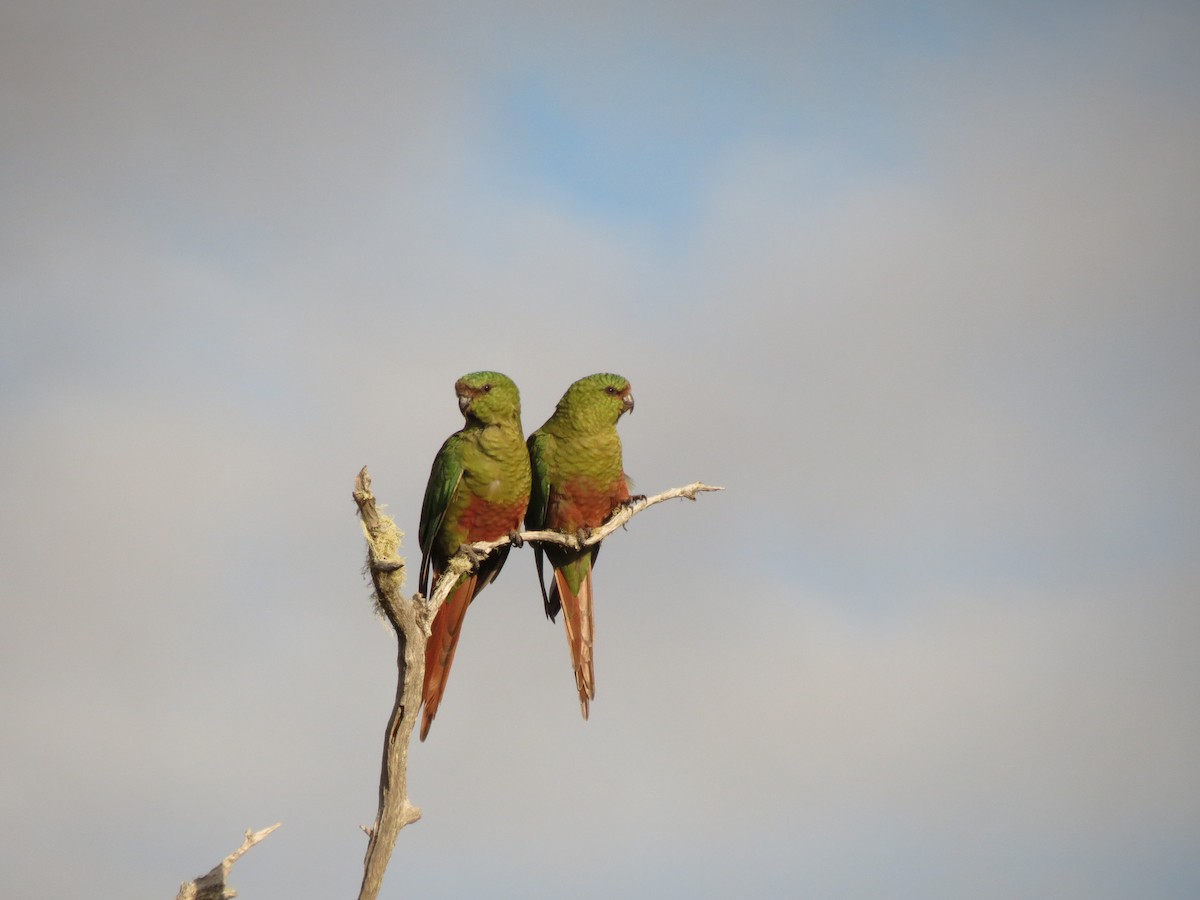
{"points": [[461, 562], [411, 618], [212, 886]]}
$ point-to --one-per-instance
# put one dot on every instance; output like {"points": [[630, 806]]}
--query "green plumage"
{"points": [[478, 490], [578, 480]]}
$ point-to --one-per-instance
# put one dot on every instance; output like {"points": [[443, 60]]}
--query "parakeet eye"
{"points": [[610, 390], [487, 387]]}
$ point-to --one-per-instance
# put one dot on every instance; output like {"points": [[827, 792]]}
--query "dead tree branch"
{"points": [[461, 563], [212, 886], [411, 618]]}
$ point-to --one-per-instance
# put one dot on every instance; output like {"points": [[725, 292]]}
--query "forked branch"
{"points": [[411, 617], [212, 886]]}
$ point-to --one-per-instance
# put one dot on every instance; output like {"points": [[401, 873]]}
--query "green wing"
{"points": [[539, 502], [443, 480], [539, 489]]}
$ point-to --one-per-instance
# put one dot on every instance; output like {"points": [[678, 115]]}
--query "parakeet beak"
{"points": [[627, 400], [464, 400]]}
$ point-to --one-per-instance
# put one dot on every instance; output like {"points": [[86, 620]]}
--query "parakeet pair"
{"points": [[485, 478]]}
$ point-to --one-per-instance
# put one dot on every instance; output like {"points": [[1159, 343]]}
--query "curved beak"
{"points": [[627, 400], [464, 401]]}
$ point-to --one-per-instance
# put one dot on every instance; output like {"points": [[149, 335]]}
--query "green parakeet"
{"points": [[478, 490], [578, 480]]}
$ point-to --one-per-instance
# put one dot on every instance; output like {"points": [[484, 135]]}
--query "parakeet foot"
{"points": [[514, 538], [474, 557]]}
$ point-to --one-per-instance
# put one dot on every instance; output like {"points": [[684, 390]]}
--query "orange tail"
{"points": [[439, 653], [577, 617]]}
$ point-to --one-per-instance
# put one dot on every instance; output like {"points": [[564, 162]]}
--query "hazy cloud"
{"points": [[916, 286]]}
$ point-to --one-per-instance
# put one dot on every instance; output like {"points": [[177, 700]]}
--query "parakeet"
{"points": [[578, 480], [478, 490]]}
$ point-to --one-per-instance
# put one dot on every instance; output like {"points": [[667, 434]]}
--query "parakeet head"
{"points": [[488, 397], [596, 401]]}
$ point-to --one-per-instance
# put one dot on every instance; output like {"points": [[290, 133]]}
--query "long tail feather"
{"points": [[439, 653], [578, 619]]}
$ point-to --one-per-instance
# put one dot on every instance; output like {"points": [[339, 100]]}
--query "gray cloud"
{"points": [[930, 641]]}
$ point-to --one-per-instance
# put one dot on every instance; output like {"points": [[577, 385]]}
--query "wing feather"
{"points": [[444, 479]]}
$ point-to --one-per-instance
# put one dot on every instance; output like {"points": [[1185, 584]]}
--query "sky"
{"points": [[917, 283]]}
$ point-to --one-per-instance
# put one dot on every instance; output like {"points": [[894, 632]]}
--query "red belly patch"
{"points": [[580, 504], [484, 520]]}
